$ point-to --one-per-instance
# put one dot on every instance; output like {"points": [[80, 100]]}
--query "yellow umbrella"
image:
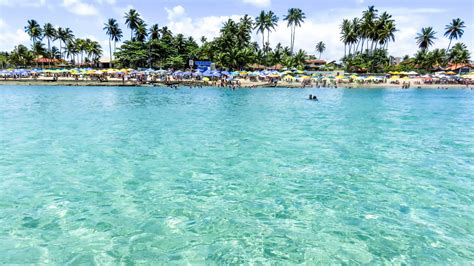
{"points": [[288, 77], [394, 77], [354, 76], [244, 73], [451, 73], [394, 73], [205, 79], [305, 77]]}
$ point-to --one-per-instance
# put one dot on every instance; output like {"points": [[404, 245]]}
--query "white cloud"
{"points": [[10, 38], [79, 8], [180, 22], [3, 24], [176, 13], [110, 2], [258, 3], [23, 3]]}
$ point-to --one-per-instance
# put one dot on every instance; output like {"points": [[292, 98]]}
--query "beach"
{"points": [[244, 83]]}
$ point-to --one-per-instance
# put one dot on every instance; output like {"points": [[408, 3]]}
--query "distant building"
{"points": [[314, 64], [395, 60], [460, 68]]}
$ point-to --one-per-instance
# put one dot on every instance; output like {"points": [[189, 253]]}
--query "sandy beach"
{"points": [[244, 83], [195, 83]]}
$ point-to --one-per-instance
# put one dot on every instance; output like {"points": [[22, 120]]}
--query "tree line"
{"points": [[366, 41]]}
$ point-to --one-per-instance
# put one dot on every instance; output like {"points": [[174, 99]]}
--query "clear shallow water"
{"points": [[111, 175]]}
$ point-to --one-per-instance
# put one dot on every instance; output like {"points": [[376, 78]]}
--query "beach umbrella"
{"points": [[273, 76], [394, 77], [225, 73], [207, 73], [205, 79], [412, 73], [450, 73]]}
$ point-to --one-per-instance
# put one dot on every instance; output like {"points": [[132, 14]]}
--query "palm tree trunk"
{"points": [[293, 39], [50, 53], [110, 53], [449, 45], [268, 37]]}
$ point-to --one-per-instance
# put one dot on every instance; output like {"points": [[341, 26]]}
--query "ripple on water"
{"points": [[211, 176]]}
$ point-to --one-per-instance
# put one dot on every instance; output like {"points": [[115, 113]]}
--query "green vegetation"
{"points": [[366, 40]]}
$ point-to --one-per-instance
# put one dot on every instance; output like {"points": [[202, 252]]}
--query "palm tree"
{"points": [[345, 29], [38, 49], [50, 33], [71, 50], [154, 32], [387, 34], [459, 54], [261, 25], [141, 32], [320, 47], [367, 25], [93, 50], [244, 31], [110, 28], [271, 21], [426, 38], [294, 17], [132, 20], [33, 29], [454, 30], [80, 48], [64, 35]]}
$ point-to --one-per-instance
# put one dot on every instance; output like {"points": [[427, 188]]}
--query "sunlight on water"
{"points": [[144, 175]]}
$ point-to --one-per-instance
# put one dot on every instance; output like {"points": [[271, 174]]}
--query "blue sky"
{"points": [[204, 17]]}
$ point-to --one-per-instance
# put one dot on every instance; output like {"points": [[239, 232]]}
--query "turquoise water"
{"points": [[203, 176]]}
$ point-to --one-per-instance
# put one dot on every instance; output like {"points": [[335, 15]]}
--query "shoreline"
{"points": [[244, 84]]}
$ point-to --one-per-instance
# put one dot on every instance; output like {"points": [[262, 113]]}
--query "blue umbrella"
{"points": [[207, 73], [225, 73]]}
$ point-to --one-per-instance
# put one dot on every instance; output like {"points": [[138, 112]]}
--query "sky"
{"points": [[205, 17]]}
